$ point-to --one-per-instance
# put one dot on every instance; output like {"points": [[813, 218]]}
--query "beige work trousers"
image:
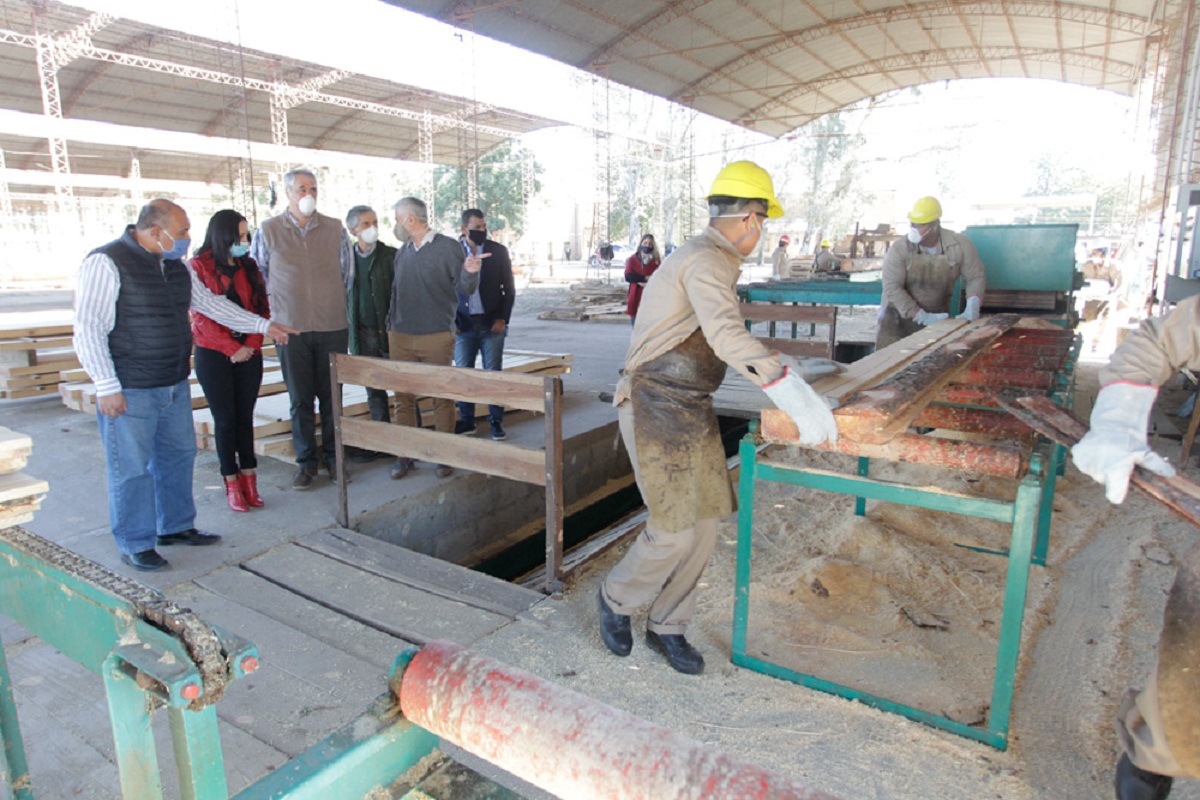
{"points": [[1141, 731], [425, 348], [661, 568]]}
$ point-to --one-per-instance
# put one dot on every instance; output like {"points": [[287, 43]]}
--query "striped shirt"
{"points": [[96, 316]]}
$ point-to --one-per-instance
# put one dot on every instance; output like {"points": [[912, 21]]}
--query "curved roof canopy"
{"points": [[774, 65]]}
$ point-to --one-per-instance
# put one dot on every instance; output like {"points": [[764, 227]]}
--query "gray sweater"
{"points": [[424, 295]]}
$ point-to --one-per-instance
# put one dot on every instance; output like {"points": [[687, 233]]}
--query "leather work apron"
{"points": [[680, 458], [1179, 664], [930, 281]]}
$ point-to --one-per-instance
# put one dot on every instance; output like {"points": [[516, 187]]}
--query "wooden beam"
{"points": [[885, 410], [775, 312], [465, 452], [454, 383]]}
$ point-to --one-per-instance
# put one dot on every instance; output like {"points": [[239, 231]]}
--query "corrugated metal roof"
{"points": [[774, 65]]}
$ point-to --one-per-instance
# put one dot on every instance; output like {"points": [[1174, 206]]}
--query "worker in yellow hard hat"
{"points": [[919, 275], [825, 260], [687, 331]]}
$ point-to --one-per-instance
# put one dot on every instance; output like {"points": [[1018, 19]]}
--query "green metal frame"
{"points": [[1030, 534]]}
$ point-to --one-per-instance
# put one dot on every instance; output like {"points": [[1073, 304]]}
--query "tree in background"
{"points": [[500, 185]]}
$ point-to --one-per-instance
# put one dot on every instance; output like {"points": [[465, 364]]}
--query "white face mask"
{"points": [[370, 235], [307, 204], [914, 235]]}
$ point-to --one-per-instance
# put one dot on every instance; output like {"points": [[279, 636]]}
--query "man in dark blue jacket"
{"points": [[482, 318]]}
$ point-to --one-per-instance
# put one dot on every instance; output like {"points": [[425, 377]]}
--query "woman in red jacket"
{"points": [[638, 269], [229, 365]]}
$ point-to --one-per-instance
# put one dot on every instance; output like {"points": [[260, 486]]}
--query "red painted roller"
{"points": [[566, 743]]}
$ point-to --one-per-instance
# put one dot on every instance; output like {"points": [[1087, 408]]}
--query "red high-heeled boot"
{"points": [[235, 495], [250, 488]]}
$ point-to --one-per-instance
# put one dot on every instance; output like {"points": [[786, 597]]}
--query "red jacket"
{"points": [[636, 274], [249, 289]]}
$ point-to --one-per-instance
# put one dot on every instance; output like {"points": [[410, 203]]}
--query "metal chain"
{"points": [[148, 603]]}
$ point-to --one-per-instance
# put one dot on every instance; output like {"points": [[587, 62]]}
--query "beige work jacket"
{"points": [[696, 288], [958, 249], [1159, 348]]}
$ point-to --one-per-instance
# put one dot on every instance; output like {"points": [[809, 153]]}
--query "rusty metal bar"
{"points": [[1002, 460], [566, 743]]}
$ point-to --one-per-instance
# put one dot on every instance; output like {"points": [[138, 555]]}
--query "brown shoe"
{"points": [[402, 467], [444, 471], [304, 478]]}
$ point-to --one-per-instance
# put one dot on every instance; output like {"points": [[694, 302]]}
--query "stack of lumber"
{"points": [[20, 495], [35, 347], [79, 394], [272, 415], [592, 300]]}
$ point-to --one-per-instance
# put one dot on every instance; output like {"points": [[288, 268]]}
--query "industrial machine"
{"points": [[1030, 269]]}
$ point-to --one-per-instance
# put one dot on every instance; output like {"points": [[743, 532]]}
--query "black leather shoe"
{"points": [[614, 628], [191, 536], [678, 651], [146, 561], [1133, 783]]}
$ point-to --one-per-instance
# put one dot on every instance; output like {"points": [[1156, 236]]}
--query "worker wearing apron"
{"points": [[1159, 727], [919, 275], [687, 330]]}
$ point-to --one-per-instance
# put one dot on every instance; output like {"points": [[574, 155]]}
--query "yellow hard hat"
{"points": [[927, 209], [746, 180], [825, 243]]}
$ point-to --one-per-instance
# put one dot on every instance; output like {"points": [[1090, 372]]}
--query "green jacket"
{"points": [[380, 276]]}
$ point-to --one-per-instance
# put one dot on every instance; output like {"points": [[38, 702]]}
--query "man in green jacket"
{"points": [[367, 305]]}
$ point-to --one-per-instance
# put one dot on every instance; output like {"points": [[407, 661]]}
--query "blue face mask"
{"points": [[179, 248], [239, 249]]}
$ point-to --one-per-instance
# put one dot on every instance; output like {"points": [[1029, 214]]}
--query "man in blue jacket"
{"points": [[483, 315]]}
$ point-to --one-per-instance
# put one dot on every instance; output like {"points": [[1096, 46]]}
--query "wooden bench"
{"points": [[775, 313]]}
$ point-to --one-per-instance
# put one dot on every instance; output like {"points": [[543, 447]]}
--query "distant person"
{"points": [[919, 276], [430, 271], [481, 320], [134, 339], [780, 260], [308, 263], [369, 298], [229, 365], [1158, 727], [825, 260], [638, 269]]}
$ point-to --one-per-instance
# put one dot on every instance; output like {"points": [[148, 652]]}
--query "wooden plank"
{"points": [[776, 312], [465, 452], [15, 443], [28, 343], [1059, 425], [422, 572], [453, 383], [798, 347], [302, 689], [383, 604], [19, 485], [336, 630], [885, 410]]}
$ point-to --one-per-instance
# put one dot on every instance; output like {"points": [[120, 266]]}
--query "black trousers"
{"points": [[232, 391], [375, 344], [305, 363]]}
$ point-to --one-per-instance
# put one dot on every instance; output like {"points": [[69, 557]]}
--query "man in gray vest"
{"points": [[430, 270], [133, 336], [307, 262]]}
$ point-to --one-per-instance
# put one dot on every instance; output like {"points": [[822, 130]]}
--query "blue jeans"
{"points": [[149, 452], [468, 345]]}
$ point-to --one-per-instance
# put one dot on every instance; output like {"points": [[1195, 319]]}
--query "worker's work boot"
{"points": [[1133, 783], [678, 651], [614, 628]]}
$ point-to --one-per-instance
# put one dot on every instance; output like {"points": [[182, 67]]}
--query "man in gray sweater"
{"points": [[430, 270]]}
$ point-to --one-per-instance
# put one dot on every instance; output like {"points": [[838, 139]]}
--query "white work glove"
{"points": [[809, 410], [1117, 439], [971, 312], [924, 317], [810, 369]]}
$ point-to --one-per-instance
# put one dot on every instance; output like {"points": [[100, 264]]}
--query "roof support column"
{"points": [[52, 107], [136, 196], [425, 148]]}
